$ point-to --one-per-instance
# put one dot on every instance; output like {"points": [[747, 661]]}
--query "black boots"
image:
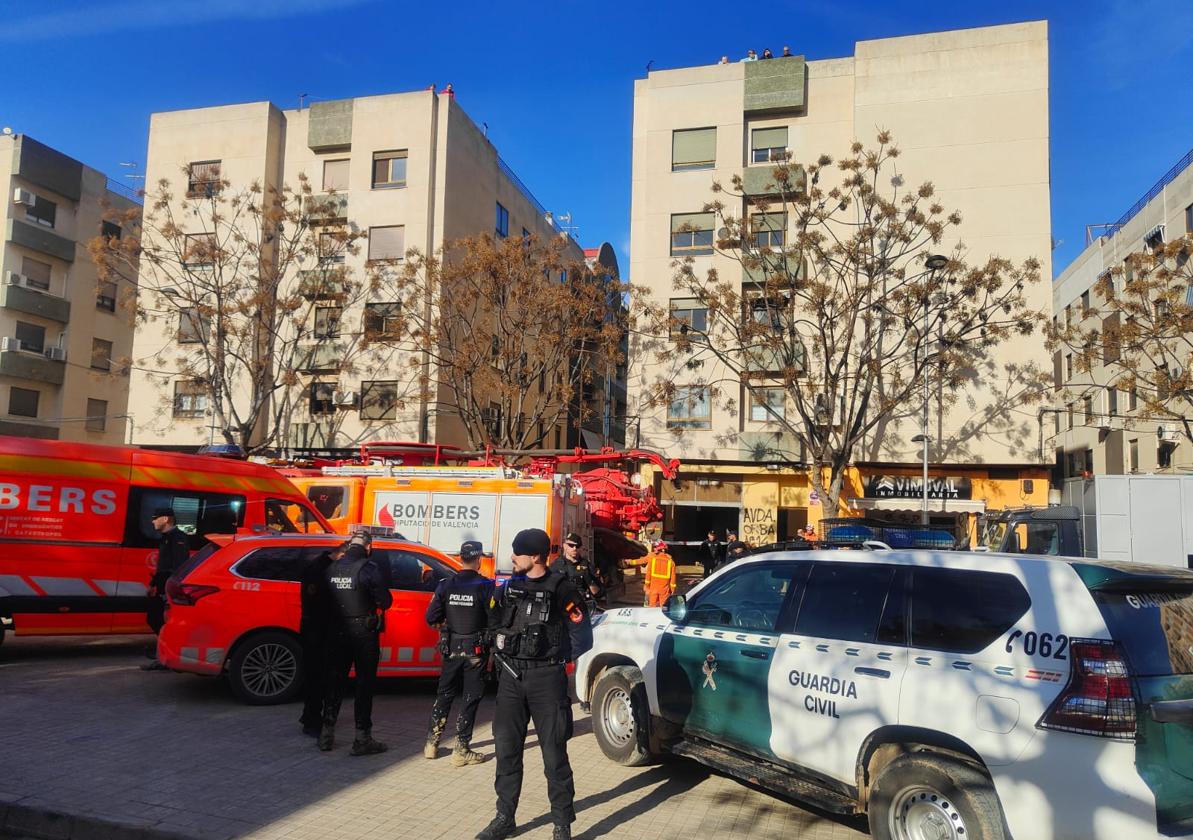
{"points": [[501, 828], [327, 737], [365, 745]]}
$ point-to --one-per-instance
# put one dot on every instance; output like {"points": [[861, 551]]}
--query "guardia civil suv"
{"points": [[943, 694]]}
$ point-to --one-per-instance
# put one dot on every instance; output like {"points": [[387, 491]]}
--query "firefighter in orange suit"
{"points": [[660, 575]]}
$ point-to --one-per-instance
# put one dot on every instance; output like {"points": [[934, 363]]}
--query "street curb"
{"points": [[47, 824]]}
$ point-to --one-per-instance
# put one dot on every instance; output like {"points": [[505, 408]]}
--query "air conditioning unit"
{"points": [[20, 196], [1162, 433], [56, 354], [8, 343], [345, 399], [15, 279]]}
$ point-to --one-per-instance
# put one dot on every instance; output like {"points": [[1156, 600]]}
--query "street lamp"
{"points": [[934, 263]]}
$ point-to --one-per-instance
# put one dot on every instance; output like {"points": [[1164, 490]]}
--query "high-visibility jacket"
{"points": [[660, 571]]}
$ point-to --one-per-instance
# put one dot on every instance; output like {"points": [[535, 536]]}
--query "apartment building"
{"points": [[1094, 428], [411, 169], [969, 111], [63, 339]]}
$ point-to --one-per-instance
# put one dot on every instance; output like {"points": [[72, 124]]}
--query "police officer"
{"points": [[460, 608], [172, 552], [359, 598], [314, 630], [540, 623], [736, 550], [576, 568], [710, 553]]}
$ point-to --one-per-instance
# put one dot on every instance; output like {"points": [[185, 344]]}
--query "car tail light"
{"points": [[187, 594], [1098, 699]]}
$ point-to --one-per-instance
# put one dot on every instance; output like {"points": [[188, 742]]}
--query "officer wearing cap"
{"points": [[460, 608], [539, 622], [359, 597], [172, 552], [575, 567]]}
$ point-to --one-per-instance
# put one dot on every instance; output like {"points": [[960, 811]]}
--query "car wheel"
{"points": [[927, 795], [621, 716], [266, 669]]}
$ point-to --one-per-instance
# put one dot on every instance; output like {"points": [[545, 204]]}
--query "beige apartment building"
{"points": [[969, 110], [63, 339], [411, 169], [1093, 427]]}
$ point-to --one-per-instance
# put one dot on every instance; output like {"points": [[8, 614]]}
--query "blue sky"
{"points": [[554, 80]]}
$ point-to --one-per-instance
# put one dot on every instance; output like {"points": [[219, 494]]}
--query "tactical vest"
{"points": [[465, 605], [530, 626], [351, 599]]}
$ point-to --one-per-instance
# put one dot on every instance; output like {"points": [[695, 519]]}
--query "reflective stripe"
{"points": [[62, 586], [385, 653], [214, 656], [653, 568], [61, 466], [129, 587], [109, 587], [189, 654], [405, 654], [15, 585], [426, 654]]}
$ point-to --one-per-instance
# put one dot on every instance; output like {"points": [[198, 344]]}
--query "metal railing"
{"points": [[525, 190], [1169, 177], [125, 190]]}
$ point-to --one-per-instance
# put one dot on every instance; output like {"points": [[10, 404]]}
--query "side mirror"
{"points": [[676, 608]]}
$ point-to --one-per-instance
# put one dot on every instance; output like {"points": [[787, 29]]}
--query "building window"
{"points": [[330, 247], [769, 229], [1133, 455], [1069, 412], [502, 226], [387, 243], [190, 398], [773, 398], [492, 420], [1069, 315], [382, 320], [690, 408], [525, 238], [1189, 219], [1087, 405], [37, 273], [378, 400], [1055, 423], [192, 326], [693, 148], [22, 402], [200, 250], [327, 321], [335, 175], [97, 415], [1112, 401], [1133, 399], [1089, 461], [1085, 303], [43, 212], [110, 230], [106, 299], [101, 354], [691, 234], [32, 337], [389, 169], [1068, 366], [322, 398], [688, 315], [768, 144], [203, 179], [1164, 455]]}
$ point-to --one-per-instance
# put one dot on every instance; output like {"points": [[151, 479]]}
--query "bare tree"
{"points": [[1135, 332], [508, 333], [837, 315], [248, 287]]}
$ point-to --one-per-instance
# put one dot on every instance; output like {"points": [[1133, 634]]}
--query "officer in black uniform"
{"points": [[576, 568], [314, 631], [710, 553], [460, 609], [539, 622], [173, 550], [359, 598]]}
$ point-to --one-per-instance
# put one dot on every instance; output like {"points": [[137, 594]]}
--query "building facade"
{"points": [[65, 342], [969, 111], [411, 169], [1094, 428]]}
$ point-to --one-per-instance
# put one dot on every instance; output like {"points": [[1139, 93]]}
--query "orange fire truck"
{"points": [[442, 496]]}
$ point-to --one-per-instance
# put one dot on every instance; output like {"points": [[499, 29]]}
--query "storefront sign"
{"points": [[912, 487], [813, 498]]}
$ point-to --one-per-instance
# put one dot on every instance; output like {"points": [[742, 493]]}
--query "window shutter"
{"points": [[693, 145], [387, 243], [691, 221], [770, 138], [769, 221], [335, 175]]}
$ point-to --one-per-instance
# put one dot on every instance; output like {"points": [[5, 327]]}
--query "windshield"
{"points": [[289, 518], [993, 533]]}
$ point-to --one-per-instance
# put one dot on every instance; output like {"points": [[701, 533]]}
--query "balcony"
{"points": [[329, 125], [39, 164], [778, 84], [323, 356], [759, 181], [769, 266], [34, 302], [28, 365], [323, 208], [322, 283], [41, 239]]}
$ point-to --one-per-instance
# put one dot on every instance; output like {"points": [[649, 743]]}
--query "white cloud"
{"points": [[128, 15]]}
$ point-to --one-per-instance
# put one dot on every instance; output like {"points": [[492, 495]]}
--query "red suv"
{"points": [[234, 609]]}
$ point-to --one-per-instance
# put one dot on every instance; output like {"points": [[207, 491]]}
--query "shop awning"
{"points": [[915, 505]]}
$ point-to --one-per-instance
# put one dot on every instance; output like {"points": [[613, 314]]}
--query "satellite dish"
{"points": [[7, 131]]}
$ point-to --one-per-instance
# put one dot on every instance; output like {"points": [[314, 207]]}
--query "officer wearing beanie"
{"points": [[539, 623], [359, 597], [460, 608]]}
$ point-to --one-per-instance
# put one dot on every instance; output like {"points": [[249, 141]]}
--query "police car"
{"points": [[943, 694]]}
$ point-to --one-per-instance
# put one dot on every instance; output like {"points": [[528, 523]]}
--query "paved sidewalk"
{"points": [[85, 732]]}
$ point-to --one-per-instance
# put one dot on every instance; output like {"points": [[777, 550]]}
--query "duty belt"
{"points": [[531, 664]]}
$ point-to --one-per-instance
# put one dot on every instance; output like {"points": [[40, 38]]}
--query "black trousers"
{"points": [[461, 674], [353, 644], [314, 640], [540, 695], [155, 613]]}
